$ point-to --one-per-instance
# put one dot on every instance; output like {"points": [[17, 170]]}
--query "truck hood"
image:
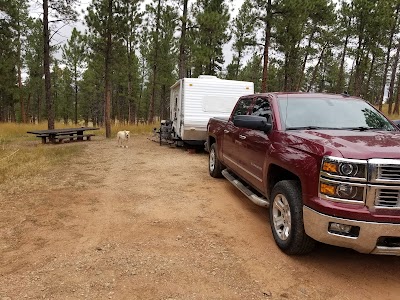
{"points": [[351, 144]]}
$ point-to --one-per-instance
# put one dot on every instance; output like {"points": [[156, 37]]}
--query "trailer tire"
{"points": [[215, 167], [286, 219]]}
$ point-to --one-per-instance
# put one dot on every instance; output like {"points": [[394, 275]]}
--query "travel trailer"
{"points": [[195, 100]]}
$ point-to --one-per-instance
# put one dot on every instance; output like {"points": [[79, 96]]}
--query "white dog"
{"points": [[123, 137]]}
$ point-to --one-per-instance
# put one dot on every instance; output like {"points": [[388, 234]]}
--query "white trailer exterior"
{"points": [[194, 101]]}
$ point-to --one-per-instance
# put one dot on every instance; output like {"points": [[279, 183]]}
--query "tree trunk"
{"points": [[303, 66], [264, 83], [371, 69], [314, 74], [239, 58], [397, 102], [153, 87], [392, 79], [19, 67], [286, 78], [357, 88], [107, 77], [384, 79], [39, 105], [28, 105], [76, 95], [182, 42], [12, 113], [340, 82], [46, 65]]}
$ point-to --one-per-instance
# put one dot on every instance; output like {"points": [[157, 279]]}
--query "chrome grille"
{"points": [[388, 198], [389, 172]]}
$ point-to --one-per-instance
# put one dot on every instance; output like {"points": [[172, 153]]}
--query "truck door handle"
{"points": [[226, 131], [242, 137]]}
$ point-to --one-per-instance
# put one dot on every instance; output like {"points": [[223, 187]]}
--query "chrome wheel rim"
{"points": [[281, 217], [212, 160]]}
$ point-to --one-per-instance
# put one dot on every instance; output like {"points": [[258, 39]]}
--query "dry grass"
{"points": [[134, 129], [23, 161], [22, 155], [385, 108]]}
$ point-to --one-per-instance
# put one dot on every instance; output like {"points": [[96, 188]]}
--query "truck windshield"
{"points": [[330, 113]]}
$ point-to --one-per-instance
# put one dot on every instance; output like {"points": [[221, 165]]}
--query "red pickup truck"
{"points": [[327, 166]]}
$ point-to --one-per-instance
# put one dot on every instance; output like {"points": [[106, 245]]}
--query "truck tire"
{"points": [[214, 165], [286, 218]]}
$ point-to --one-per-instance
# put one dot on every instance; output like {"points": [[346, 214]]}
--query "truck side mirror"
{"points": [[252, 122]]}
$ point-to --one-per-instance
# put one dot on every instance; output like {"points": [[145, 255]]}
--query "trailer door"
{"points": [[176, 107]]}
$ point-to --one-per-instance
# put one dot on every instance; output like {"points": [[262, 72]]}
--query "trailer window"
{"points": [[242, 107]]}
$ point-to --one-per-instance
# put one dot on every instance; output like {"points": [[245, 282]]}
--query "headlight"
{"points": [[348, 168], [332, 190]]}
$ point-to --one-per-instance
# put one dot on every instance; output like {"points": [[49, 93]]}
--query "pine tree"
{"points": [[63, 12], [73, 54], [211, 21]]}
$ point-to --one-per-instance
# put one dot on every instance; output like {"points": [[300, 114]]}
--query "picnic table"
{"points": [[59, 135]]}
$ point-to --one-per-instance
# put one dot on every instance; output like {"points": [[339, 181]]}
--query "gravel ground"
{"points": [[148, 222]]}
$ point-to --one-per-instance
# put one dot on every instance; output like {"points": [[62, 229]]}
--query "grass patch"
{"points": [[20, 158], [24, 161]]}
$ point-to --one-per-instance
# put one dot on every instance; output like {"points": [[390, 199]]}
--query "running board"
{"points": [[246, 191]]}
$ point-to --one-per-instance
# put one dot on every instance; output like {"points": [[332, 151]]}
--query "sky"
{"points": [[64, 33]]}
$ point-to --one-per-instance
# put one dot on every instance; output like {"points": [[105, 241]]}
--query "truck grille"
{"points": [[387, 198], [389, 172]]}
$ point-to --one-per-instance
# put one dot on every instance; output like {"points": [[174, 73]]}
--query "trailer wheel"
{"points": [[286, 218], [215, 167]]}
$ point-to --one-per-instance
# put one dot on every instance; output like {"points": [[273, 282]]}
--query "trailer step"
{"points": [[260, 201]]}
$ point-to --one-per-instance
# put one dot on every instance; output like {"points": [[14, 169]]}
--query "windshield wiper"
{"points": [[309, 128], [361, 128]]}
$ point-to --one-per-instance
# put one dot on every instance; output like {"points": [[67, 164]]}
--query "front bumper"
{"points": [[316, 226]]}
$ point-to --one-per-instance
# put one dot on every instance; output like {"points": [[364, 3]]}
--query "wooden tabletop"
{"points": [[62, 130]]}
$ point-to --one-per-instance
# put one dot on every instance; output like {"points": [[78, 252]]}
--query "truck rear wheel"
{"points": [[214, 165], [286, 218]]}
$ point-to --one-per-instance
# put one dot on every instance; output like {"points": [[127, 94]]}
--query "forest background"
{"points": [[120, 68]]}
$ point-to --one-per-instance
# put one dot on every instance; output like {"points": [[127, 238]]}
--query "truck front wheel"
{"points": [[214, 165], [286, 218]]}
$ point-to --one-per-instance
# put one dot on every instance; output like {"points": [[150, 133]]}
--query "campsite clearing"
{"points": [[148, 222]]}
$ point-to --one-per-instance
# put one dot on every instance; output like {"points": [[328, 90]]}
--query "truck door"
{"points": [[232, 143], [255, 145]]}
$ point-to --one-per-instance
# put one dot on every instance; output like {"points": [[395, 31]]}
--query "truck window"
{"points": [[262, 108], [242, 107]]}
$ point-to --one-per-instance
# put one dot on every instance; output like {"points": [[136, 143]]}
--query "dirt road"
{"points": [[148, 222]]}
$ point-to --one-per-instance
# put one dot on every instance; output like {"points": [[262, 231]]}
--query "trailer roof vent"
{"points": [[208, 77]]}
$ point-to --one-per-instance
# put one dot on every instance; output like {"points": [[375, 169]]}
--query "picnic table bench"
{"points": [[59, 135]]}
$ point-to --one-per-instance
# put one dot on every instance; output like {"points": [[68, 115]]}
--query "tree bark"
{"points": [[153, 87], [397, 102], [182, 43], [340, 82], [384, 79], [357, 87], [264, 83], [76, 94], [303, 66], [392, 79], [46, 65], [371, 69], [314, 74], [19, 67], [107, 79]]}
